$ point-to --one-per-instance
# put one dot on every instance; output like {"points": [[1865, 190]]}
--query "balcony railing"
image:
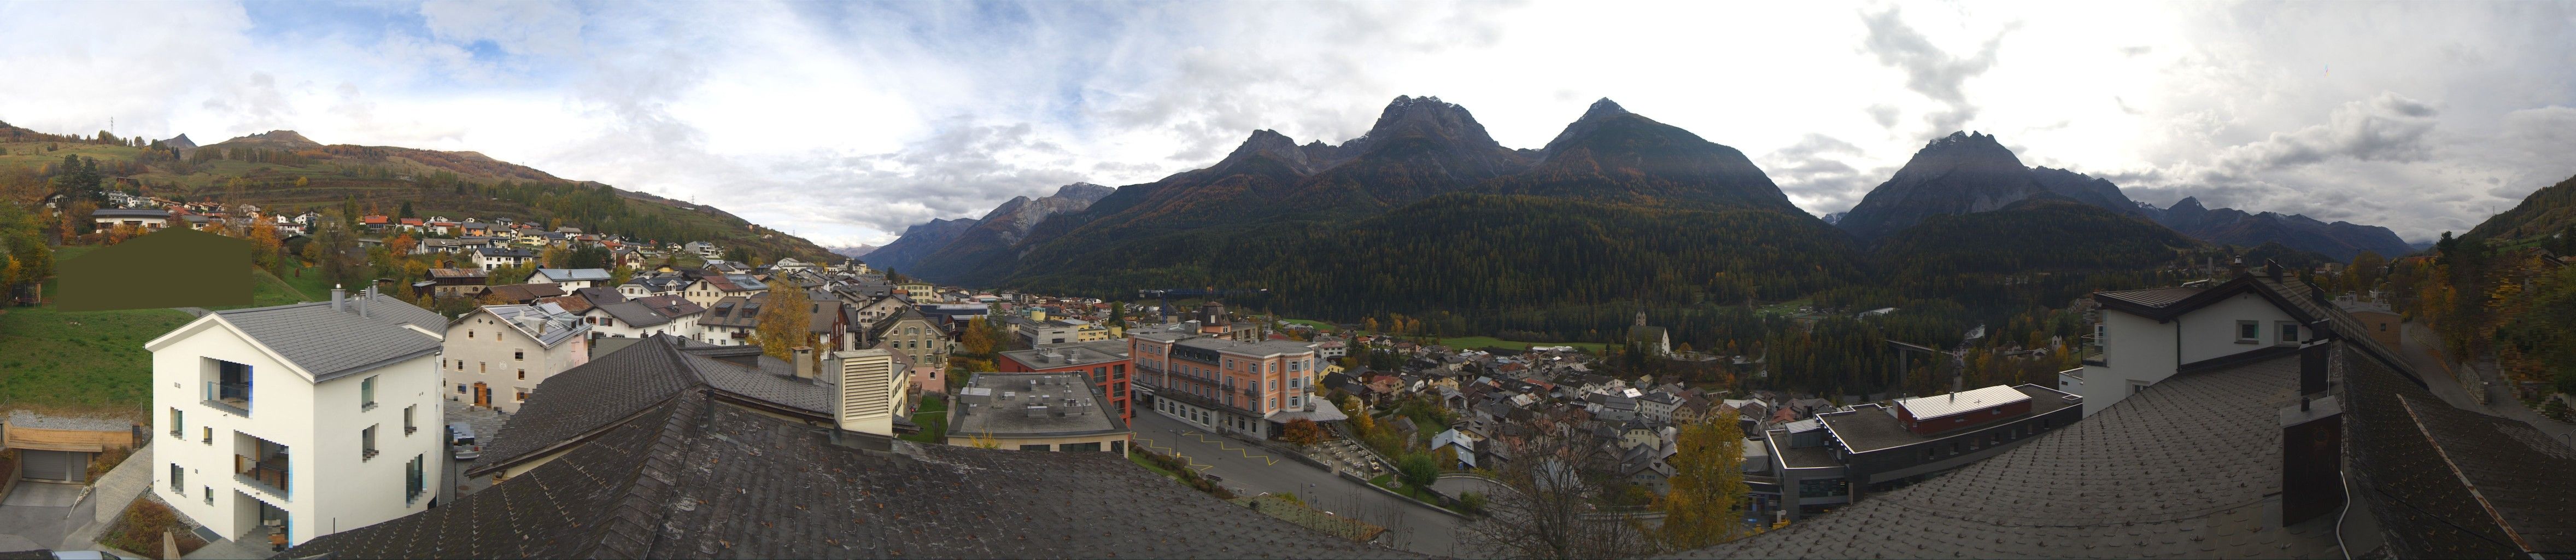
{"points": [[232, 396], [270, 473]]}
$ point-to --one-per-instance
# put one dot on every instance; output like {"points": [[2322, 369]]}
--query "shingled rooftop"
{"points": [[698, 474], [2192, 467]]}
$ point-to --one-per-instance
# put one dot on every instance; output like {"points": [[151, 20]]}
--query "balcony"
{"points": [[229, 397], [2092, 354], [265, 468]]}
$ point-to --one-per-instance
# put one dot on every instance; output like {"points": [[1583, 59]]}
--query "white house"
{"points": [[495, 356], [313, 418], [490, 258], [2148, 335], [647, 316], [571, 278]]}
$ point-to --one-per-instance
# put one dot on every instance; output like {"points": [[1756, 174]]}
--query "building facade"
{"points": [[311, 418], [496, 355], [1223, 384]]}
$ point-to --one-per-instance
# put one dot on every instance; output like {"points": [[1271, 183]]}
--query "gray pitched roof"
{"points": [[549, 324], [635, 313], [330, 343], [570, 405], [562, 274], [2183, 468], [696, 478]]}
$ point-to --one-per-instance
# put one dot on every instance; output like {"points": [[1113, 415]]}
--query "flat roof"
{"points": [[1024, 405], [1871, 427], [1971, 400]]}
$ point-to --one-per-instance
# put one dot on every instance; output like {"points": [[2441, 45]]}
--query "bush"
{"points": [[1472, 502], [104, 460], [139, 530]]}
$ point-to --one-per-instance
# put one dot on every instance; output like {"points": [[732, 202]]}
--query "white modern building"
{"points": [[2148, 335], [307, 419], [495, 356]]}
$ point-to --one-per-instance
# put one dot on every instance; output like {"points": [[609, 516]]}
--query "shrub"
{"points": [[139, 530]]}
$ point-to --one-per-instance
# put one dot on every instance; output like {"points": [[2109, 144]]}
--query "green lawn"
{"points": [[1312, 323], [80, 362], [1787, 307], [933, 418], [1486, 341]]}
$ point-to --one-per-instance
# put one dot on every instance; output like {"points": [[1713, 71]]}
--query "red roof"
{"points": [[411, 221], [373, 220]]}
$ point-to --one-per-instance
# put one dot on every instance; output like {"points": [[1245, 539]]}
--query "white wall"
{"points": [[487, 356], [2139, 350], [288, 410]]}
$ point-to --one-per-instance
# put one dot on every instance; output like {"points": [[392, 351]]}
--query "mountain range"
{"points": [[2339, 240]]}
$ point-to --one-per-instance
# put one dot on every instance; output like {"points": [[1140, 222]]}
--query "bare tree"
{"points": [[1546, 510]]}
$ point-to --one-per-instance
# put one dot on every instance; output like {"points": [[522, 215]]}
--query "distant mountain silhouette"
{"points": [[2337, 240]]}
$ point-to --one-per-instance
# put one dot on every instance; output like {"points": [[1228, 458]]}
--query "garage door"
{"points": [[64, 466]]}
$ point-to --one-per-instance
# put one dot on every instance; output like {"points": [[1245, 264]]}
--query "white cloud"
{"points": [[846, 122]]}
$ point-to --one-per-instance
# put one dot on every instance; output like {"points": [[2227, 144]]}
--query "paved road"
{"points": [[38, 515], [2422, 351], [1250, 469]]}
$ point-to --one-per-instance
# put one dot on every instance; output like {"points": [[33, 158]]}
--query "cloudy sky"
{"points": [[847, 122]]}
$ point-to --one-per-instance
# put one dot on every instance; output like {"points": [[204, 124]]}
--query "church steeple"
{"points": [[1641, 317]]}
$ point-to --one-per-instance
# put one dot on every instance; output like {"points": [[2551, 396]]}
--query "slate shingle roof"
{"points": [[691, 477], [329, 343], [2178, 470]]}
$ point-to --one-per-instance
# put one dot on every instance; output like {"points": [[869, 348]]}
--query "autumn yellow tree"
{"points": [[1707, 497], [784, 322], [401, 244], [264, 247], [1303, 432]]}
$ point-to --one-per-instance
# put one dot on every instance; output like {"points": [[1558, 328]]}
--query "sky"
{"points": [[847, 122]]}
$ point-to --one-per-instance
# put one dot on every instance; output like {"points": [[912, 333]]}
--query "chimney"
{"points": [[1957, 384], [339, 297], [804, 361], [2272, 269], [363, 297], [2236, 266]]}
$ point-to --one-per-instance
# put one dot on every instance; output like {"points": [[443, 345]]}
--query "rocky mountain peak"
{"points": [[1605, 108], [1086, 192], [1424, 117]]}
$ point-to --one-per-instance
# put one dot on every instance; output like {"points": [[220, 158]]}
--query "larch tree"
{"points": [[1707, 497], [783, 322]]}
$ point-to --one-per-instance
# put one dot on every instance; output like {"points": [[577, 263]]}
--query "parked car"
{"points": [[460, 441]]}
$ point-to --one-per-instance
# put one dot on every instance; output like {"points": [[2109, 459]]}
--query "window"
{"points": [[178, 479], [469, 333], [1292, 402], [460, 388], [408, 426], [367, 393], [2249, 332], [209, 493], [522, 395], [519, 355], [523, 374], [210, 435], [481, 367], [415, 478], [2289, 332], [367, 443], [177, 428]]}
